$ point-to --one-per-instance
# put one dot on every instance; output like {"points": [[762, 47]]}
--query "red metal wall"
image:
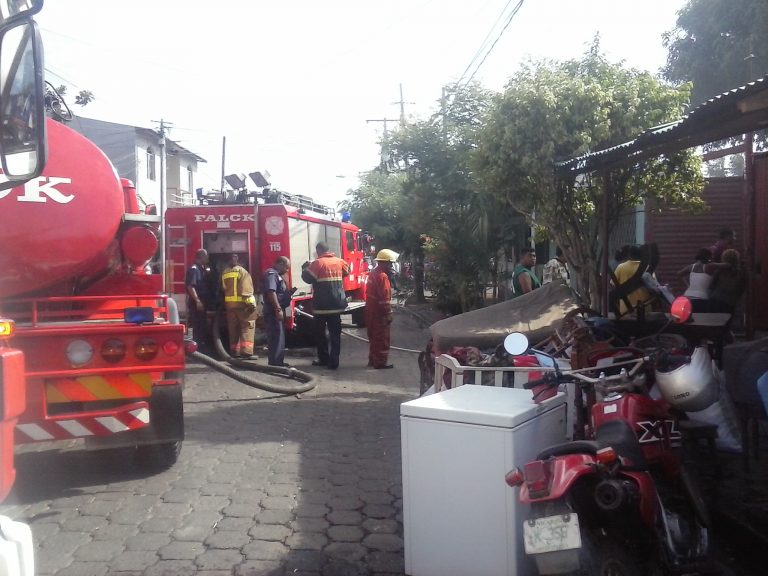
{"points": [[679, 235]]}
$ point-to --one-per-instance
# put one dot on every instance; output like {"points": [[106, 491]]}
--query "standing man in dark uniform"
{"points": [[326, 275], [198, 300], [277, 298]]}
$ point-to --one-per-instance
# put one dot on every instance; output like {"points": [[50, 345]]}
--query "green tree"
{"points": [[552, 111], [56, 106], [459, 230], [718, 45], [377, 207]]}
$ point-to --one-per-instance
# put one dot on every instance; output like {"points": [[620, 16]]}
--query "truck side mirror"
{"points": [[22, 104]]}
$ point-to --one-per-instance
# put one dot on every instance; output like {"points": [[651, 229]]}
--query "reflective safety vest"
{"points": [[237, 284]]}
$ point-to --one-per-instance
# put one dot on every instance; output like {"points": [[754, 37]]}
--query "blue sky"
{"points": [[291, 83]]}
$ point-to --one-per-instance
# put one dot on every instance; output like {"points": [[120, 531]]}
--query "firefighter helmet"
{"points": [[387, 255]]}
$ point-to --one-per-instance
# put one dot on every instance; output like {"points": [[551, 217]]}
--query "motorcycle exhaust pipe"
{"points": [[610, 494]]}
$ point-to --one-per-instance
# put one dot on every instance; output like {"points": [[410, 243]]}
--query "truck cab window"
{"points": [[350, 241]]}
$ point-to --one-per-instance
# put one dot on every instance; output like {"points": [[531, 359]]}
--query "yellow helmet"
{"points": [[387, 255]]}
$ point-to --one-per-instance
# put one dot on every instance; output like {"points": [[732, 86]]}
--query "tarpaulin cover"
{"points": [[536, 314]]}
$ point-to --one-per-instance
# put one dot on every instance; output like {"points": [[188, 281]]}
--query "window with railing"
{"points": [[151, 175]]}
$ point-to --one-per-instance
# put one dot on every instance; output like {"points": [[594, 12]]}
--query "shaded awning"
{"points": [[738, 111]]}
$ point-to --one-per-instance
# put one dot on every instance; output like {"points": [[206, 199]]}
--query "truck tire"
{"points": [[358, 317], [159, 444], [158, 456]]}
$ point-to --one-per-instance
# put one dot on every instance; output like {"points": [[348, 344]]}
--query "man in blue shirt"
{"points": [[277, 298], [198, 300]]}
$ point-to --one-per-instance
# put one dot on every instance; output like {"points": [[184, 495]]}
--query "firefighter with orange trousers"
{"points": [[240, 304], [378, 309]]}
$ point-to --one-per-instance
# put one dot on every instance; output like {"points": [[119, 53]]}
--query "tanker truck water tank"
{"points": [[60, 225]]}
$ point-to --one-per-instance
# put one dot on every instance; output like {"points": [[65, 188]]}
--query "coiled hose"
{"points": [[229, 364]]}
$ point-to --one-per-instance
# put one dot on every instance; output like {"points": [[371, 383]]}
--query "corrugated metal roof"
{"points": [[693, 129]]}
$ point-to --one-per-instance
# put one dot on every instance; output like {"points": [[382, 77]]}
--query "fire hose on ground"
{"points": [[356, 337], [228, 367]]}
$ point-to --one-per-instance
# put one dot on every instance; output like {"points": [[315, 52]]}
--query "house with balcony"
{"points": [[135, 154]]}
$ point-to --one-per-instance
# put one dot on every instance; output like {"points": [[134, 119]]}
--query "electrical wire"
{"points": [[484, 43], [511, 16]]}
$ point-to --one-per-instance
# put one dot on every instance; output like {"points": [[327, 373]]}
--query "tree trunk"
{"points": [[418, 274]]}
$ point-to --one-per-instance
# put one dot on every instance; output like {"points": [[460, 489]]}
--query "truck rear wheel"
{"points": [[159, 445], [158, 456]]}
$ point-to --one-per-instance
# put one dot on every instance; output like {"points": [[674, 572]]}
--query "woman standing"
{"points": [[698, 278]]}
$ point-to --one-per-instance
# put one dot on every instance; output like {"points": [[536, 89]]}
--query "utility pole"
{"points": [[223, 157], [384, 155], [402, 104], [163, 192]]}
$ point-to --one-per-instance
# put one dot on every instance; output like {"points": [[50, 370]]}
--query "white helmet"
{"points": [[387, 255], [692, 386]]}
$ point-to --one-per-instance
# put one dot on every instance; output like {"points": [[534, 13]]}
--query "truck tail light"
{"points": [[113, 350], [145, 349], [170, 347], [190, 346], [6, 328], [606, 456], [79, 352], [514, 478], [536, 478]]}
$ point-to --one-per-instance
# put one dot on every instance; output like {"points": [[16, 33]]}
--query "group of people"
{"points": [[715, 280], [239, 304], [325, 274]]}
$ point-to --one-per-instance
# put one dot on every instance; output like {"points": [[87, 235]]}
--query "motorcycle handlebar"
{"points": [[554, 378]]}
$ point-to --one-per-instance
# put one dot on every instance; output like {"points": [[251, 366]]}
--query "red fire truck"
{"points": [[259, 229]]}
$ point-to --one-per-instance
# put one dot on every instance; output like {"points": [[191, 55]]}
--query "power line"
{"points": [[484, 43], [511, 16]]}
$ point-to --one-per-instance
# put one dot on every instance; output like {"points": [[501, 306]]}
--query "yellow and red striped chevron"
{"points": [[90, 388]]}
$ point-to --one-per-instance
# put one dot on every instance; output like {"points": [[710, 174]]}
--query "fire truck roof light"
{"points": [[139, 315], [6, 328]]}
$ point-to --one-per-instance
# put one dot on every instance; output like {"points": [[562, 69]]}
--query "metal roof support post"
{"points": [[749, 234], [605, 241]]}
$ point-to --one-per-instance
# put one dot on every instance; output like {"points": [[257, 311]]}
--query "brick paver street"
{"points": [[264, 484]]}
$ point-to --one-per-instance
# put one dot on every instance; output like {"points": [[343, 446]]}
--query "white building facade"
{"points": [[135, 153]]}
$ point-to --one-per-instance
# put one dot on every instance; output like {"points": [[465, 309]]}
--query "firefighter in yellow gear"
{"points": [[240, 304]]}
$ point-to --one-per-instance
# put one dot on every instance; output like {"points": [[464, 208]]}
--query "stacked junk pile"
{"points": [[647, 411]]}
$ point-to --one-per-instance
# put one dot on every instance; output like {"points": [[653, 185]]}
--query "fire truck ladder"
{"points": [[299, 201]]}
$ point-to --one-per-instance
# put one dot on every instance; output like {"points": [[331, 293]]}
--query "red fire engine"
{"points": [[259, 229], [103, 348]]}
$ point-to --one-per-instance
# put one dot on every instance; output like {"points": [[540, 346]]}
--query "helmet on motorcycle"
{"points": [[387, 255], [692, 386]]}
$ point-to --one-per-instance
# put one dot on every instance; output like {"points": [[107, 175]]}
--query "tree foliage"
{"points": [[430, 206], [377, 207], [56, 106], [551, 111], [718, 45]]}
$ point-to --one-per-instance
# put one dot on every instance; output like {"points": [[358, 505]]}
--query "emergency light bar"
{"points": [[139, 315]]}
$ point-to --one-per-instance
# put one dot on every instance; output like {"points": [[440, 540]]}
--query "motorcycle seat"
{"points": [[615, 433]]}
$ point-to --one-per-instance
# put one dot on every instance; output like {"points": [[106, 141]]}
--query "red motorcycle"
{"points": [[620, 502]]}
